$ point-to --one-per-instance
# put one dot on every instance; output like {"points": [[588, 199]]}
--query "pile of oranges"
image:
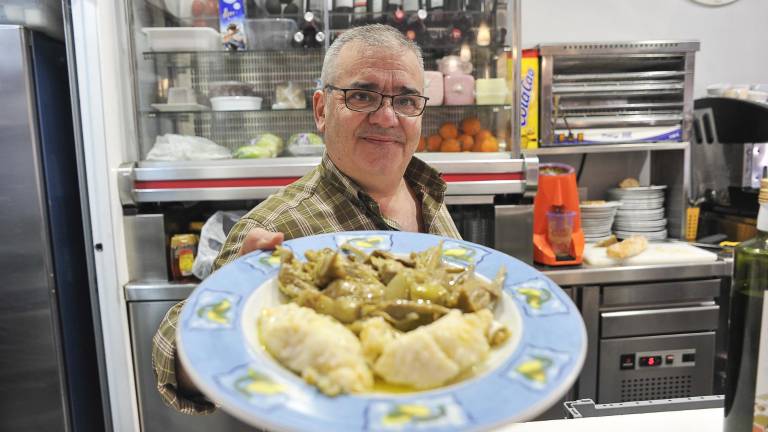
{"points": [[470, 137]]}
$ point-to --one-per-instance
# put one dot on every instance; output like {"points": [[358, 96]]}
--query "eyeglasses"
{"points": [[369, 101]]}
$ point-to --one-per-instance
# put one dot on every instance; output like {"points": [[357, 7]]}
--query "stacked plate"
{"points": [[641, 212], [597, 218]]}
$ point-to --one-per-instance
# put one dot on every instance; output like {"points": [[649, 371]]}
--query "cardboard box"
{"points": [[529, 99], [232, 24]]}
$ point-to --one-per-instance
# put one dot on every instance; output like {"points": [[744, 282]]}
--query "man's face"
{"points": [[373, 145]]}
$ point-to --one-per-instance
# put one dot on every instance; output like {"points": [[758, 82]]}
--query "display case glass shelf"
{"points": [[178, 79]]}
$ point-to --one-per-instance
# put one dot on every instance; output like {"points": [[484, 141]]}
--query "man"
{"points": [[370, 114]]}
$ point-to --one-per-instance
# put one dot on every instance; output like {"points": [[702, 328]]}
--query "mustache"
{"points": [[381, 133]]}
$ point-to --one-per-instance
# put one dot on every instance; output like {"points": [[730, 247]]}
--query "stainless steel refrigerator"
{"points": [[49, 378]]}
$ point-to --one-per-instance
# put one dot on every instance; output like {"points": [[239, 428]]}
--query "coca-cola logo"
{"points": [[525, 97]]}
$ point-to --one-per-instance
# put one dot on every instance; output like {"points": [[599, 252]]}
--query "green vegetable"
{"points": [[253, 152]]}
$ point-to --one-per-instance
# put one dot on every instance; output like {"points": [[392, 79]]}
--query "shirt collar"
{"points": [[419, 175]]}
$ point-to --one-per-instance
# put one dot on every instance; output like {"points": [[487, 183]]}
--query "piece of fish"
{"points": [[299, 338], [434, 354]]}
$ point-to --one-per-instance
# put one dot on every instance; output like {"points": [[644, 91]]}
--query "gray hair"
{"points": [[372, 35]]}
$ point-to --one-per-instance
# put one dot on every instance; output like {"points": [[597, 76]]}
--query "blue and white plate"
{"points": [[218, 344]]}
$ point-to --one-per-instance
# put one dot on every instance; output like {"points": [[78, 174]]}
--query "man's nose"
{"points": [[385, 116]]}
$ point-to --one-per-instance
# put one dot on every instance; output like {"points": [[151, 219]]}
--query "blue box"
{"points": [[232, 24]]}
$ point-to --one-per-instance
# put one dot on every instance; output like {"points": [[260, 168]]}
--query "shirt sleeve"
{"points": [[164, 365]]}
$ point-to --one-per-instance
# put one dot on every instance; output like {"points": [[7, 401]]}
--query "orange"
{"points": [[487, 144], [422, 144], [449, 130], [467, 142], [433, 143], [450, 145], [483, 133], [471, 125]]}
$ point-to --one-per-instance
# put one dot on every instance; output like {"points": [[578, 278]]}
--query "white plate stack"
{"points": [[641, 212], [597, 218]]}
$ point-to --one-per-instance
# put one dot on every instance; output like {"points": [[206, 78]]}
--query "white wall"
{"points": [[734, 38]]}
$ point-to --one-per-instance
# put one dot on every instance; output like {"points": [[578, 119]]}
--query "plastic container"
{"points": [[182, 39], [454, 65], [459, 90], [236, 103], [490, 91], [270, 33], [305, 144], [560, 231], [433, 87]]}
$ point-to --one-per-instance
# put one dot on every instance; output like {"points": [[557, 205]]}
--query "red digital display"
{"points": [[650, 361]]}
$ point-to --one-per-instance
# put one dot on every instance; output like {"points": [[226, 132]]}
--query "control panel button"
{"points": [[627, 361], [689, 357], [669, 359]]}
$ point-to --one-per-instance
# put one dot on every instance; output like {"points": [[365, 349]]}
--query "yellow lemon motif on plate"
{"points": [[216, 312], [257, 383], [535, 369], [406, 413], [535, 297], [459, 253], [265, 388], [271, 260], [366, 242]]}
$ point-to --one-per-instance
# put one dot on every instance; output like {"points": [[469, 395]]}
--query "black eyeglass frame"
{"points": [[381, 102]]}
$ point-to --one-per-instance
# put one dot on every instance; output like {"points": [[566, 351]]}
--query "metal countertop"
{"points": [[563, 276], [586, 275]]}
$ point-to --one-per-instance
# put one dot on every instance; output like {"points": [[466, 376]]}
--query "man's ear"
{"points": [[318, 107]]}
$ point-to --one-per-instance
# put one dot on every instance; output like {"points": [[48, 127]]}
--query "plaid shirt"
{"points": [[323, 201]]}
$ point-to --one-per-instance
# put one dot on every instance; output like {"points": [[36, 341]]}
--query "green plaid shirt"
{"points": [[323, 201]]}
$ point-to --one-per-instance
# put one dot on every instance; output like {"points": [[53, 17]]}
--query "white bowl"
{"points": [[236, 103]]}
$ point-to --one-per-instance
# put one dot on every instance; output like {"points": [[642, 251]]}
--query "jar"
{"points": [[183, 251]]}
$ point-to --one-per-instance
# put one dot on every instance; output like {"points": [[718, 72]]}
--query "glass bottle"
{"points": [[746, 389], [342, 12]]}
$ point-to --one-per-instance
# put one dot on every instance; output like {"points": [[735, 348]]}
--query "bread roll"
{"points": [[629, 182], [628, 248], [607, 242]]}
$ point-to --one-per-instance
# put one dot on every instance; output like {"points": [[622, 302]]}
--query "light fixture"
{"points": [[465, 54], [483, 34]]}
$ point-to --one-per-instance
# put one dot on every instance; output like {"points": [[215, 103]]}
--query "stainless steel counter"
{"points": [[570, 276], [585, 275]]}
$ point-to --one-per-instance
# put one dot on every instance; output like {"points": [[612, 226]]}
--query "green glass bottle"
{"points": [[746, 392]]}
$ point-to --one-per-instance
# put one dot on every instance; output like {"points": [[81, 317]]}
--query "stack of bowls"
{"points": [[597, 218], [641, 212]]}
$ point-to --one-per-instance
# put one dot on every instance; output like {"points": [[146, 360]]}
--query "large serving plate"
{"points": [[218, 344]]}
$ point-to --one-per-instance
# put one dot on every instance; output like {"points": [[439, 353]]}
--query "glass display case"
{"points": [[230, 79]]}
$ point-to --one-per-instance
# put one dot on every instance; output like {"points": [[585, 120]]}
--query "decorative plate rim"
{"points": [[569, 356]]}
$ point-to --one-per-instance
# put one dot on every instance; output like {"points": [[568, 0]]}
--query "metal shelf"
{"points": [[607, 148], [430, 109], [210, 112], [151, 181]]}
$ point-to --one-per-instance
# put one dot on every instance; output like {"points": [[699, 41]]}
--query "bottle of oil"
{"points": [[746, 392]]}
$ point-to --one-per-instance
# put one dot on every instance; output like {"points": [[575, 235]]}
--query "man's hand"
{"points": [[259, 238]]}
